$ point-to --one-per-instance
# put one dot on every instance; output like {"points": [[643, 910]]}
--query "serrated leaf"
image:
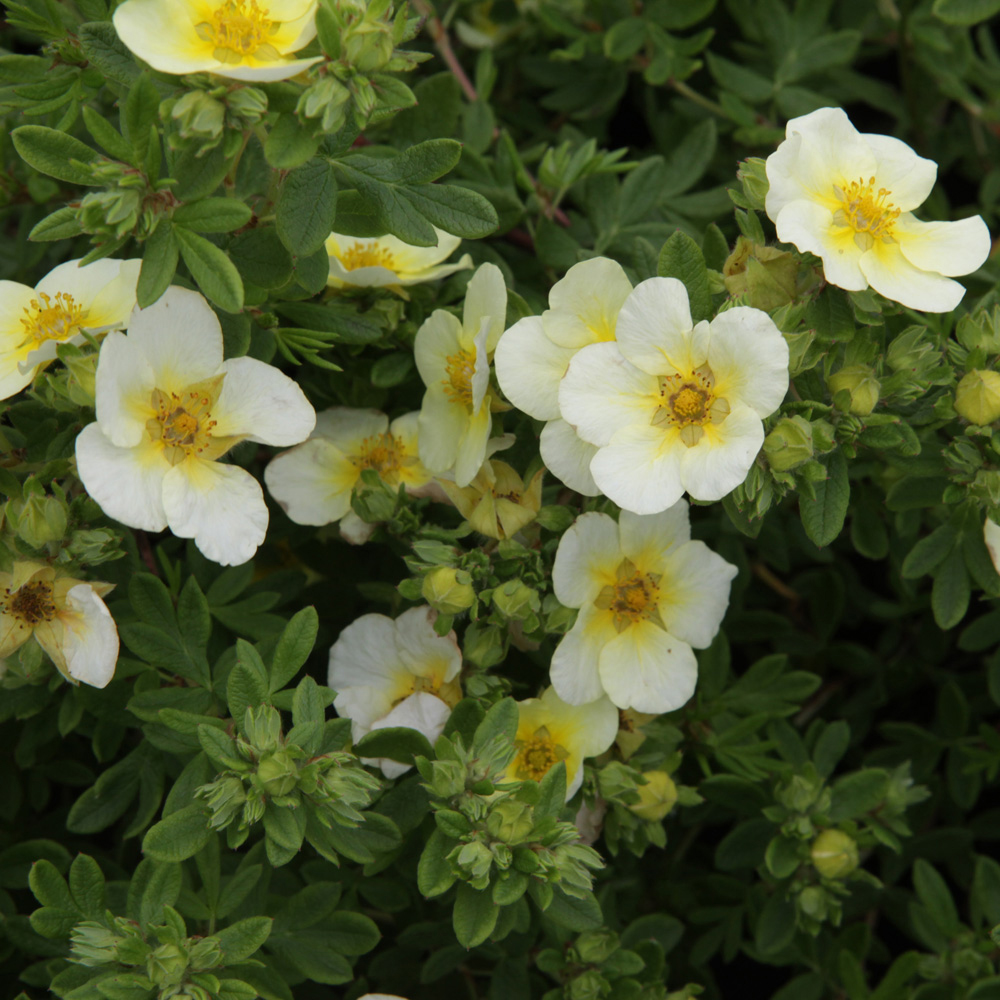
{"points": [[307, 207], [682, 258], [294, 646], [823, 517], [159, 264], [214, 272], [178, 837], [241, 940], [51, 152]]}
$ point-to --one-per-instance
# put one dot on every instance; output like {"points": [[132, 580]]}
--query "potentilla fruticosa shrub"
{"points": [[501, 500]]}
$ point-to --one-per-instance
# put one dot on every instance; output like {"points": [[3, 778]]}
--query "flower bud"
{"points": [[834, 854], [94, 944], [42, 519], [752, 174], [83, 372], [789, 444], [657, 797], [812, 902], [977, 397], [483, 645], [248, 103], [167, 965], [448, 590], [198, 115], [516, 600], [862, 385], [510, 822], [278, 774], [474, 859]]}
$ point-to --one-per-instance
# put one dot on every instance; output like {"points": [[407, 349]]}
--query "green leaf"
{"points": [[160, 890], [220, 748], [474, 915], [951, 592], [213, 215], [159, 264], [211, 269], [965, 12], [395, 742], [244, 689], [86, 882], [455, 209], [775, 926], [434, 871], [294, 646], [350, 933], [858, 793], [288, 145], [307, 206], [178, 837], [576, 913], [241, 940], [682, 258], [933, 892], [107, 137], [261, 257], [930, 552], [106, 51], [500, 720], [308, 703], [50, 887], [551, 792], [823, 518], [59, 225], [141, 114], [237, 888], [52, 152]]}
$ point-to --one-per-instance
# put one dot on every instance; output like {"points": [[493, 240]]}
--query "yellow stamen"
{"points": [[633, 597], [367, 255], [32, 604], [52, 319], [688, 402], [383, 453], [183, 422], [536, 756], [867, 212], [238, 29], [461, 368]]}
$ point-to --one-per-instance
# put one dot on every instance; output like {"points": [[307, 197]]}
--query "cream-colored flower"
{"points": [[168, 408], [848, 197], [453, 359], [313, 481], [395, 673], [241, 39], [66, 617], [646, 595], [549, 730], [535, 352], [68, 302], [991, 535], [674, 407], [385, 261]]}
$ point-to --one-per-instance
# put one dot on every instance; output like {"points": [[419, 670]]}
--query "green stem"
{"points": [[700, 99]]}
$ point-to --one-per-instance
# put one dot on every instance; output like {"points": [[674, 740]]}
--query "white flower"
{"points": [[549, 730], [385, 261], [672, 406], [168, 407], [848, 197], [991, 535], [646, 595], [395, 673], [535, 352], [313, 481], [66, 617], [67, 302], [240, 39], [453, 359]]}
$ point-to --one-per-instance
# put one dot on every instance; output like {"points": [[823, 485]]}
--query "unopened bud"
{"points": [[515, 599], [167, 964], [860, 383], [278, 774], [198, 115], [510, 822], [834, 854], [657, 797], [42, 519], [789, 444], [448, 590], [977, 397], [752, 174]]}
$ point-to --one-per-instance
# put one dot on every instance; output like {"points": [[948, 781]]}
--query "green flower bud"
{"points": [[483, 645], [41, 519], [752, 174], [834, 854], [977, 397], [94, 944], [911, 351], [812, 902], [595, 947], [167, 965], [247, 103], [278, 774], [590, 985], [656, 798], [860, 383], [206, 954], [198, 115], [514, 599], [789, 444], [262, 726], [448, 590], [510, 821], [225, 797], [474, 860]]}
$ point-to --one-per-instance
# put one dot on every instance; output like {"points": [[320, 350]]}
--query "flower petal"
{"points": [[749, 358], [568, 456], [438, 338], [908, 177], [105, 288], [586, 560], [471, 451], [720, 461], [809, 226], [442, 425], [991, 536], [655, 327], [365, 654], [649, 670], [641, 468], [486, 300], [423, 712], [893, 276], [261, 403], [90, 638], [601, 393], [124, 386], [694, 593], [220, 506], [421, 650], [648, 539], [529, 367], [584, 305], [127, 483], [575, 668], [12, 379], [270, 72], [948, 248], [312, 482]]}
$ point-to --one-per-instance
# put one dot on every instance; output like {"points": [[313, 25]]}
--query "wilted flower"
{"points": [[395, 673], [549, 730], [453, 359], [848, 197], [168, 408], [238, 38], [66, 617], [674, 407], [535, 352], [646, 595], [387, 262], [69, 301], [497, 503]]}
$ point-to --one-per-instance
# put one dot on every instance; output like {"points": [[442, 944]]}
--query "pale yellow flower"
{"points": [[388, 262]]}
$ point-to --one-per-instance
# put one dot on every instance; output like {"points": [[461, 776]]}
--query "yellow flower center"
{"points": [[33, 603], [52, 319], [383, 453], [866, 211], [537, 755], [367, 255], [633, 597], [183, 422], [239, 28], [688, 403], [460, 368]]}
